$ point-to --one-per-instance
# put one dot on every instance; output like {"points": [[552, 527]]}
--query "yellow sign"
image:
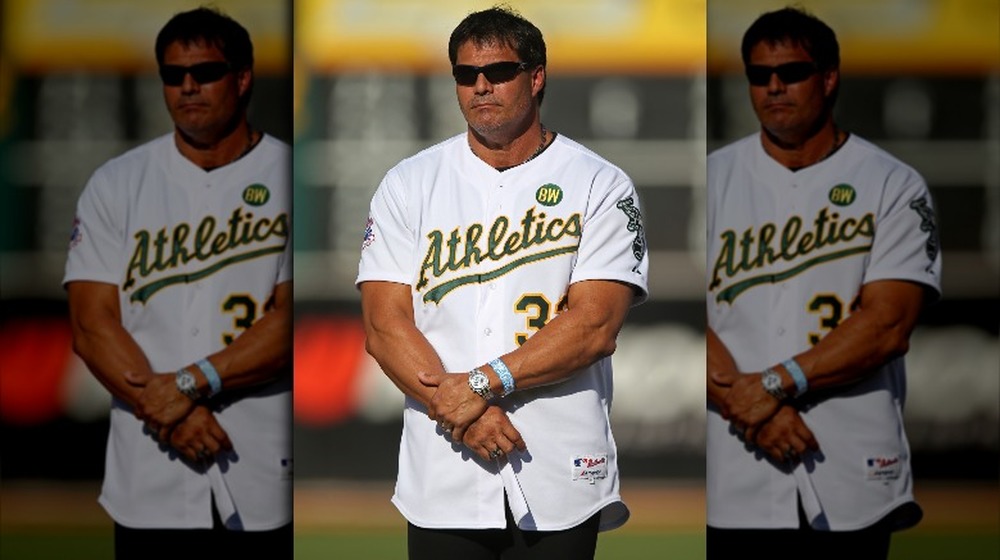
{"points": [[582, 36], [878, 36], [118, 35]]}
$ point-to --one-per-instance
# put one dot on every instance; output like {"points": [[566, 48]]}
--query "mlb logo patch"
{"points": [[590, 467], [884, 468], [76, 236]]}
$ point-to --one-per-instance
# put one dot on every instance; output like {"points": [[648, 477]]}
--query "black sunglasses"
{"points": [[496, 73], [203, 73], [788, 73]]}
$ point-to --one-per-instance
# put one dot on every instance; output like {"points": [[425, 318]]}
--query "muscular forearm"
{"points": [[109, 351], [402, 352], [100, 340], [720, 369], [392, 338], [576, 338], [259, 354], [876, 332]]}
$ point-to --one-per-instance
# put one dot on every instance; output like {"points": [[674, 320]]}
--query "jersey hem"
{"points": [[604, 504]]}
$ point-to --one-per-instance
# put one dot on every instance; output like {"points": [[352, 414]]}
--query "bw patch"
{"points": [[256, 195], [549, 194]]}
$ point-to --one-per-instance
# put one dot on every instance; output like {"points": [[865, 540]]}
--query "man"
{"points": [[822, 252], [508, 256], [179, 284]]}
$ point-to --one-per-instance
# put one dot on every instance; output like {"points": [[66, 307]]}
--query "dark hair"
{"points": [[797, 27], [501, 25], [211, 27]]}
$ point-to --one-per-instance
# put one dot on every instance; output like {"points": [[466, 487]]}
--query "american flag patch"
{"points": [[369, 233]]}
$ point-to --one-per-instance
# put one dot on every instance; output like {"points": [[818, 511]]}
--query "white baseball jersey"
{"points": [[787, 255], [196, 256], [489, 256]]}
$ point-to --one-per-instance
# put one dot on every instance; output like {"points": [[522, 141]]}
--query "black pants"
{"points": [[202, 544], [578, 543], [870, 543]]}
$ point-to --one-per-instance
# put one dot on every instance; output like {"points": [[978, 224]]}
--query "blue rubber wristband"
{"points": [[214, 382], [504, 374], [801, 384]]}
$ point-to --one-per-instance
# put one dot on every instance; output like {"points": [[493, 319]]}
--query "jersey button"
{"points": [[781, 331], [194, 331], [487, 331]]}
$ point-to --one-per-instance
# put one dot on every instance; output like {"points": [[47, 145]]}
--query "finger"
{"points": [[211, 446], [514, 436], [136, 379], [163, 434], [220, 436], [505, 445], [458, 432], [429, 379], [483, 452], [722, 379], [808, 438]]}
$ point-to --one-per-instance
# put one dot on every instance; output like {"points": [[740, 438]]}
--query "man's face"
{"points": [[790, 111], [492, 108], [203, 111]]}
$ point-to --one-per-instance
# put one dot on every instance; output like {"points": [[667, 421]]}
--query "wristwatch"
{"points": [[772, 384], [480, 384], [187, 384]]}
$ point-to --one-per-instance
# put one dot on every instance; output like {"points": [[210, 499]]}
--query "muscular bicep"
{"points": [[92, 303], [384, 304]]}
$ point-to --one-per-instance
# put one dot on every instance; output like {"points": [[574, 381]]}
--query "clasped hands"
{"points": [[484, 428], [174, 418], [773, 426]]}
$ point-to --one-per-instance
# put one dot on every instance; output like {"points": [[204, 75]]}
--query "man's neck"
{"points": [[796, 153], [212, 153], [502, 153]]}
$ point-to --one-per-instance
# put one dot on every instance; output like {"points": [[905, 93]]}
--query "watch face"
{"points": [[479, 380], [186, 384], [771, 381]]}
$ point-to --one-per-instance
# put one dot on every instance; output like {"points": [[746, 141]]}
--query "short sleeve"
{"points": [[613, 243], [388, 243], [906, 244], [97, 241]]}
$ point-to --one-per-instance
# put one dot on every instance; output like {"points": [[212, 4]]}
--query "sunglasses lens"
{"points": [[208, 72], [172, 75], [465, 75], [501, 72], [795, 72], [759, 75], [496, 73], [204, 73], [789, 73]]}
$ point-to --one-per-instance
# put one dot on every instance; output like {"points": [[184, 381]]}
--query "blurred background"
{"points": [[78, 85], [629, 80]]}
